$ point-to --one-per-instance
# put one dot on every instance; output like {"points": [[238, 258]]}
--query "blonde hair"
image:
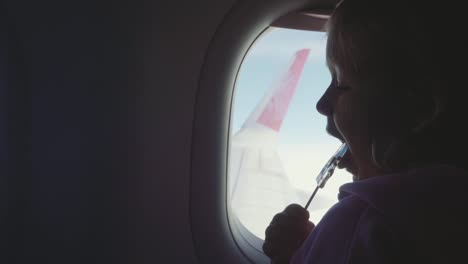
{"points": [[399, 49]]}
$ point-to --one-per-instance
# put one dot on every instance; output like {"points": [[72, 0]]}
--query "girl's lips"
{"points": [[332, 130]]}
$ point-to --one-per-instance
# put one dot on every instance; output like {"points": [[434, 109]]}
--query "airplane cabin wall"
{"points": [[98, 103], [101, 109]]}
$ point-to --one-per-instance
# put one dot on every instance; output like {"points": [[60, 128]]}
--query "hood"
{"points": [[438, 191]]}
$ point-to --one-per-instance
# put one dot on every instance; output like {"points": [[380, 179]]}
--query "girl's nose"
{"points": [[324, 106]]}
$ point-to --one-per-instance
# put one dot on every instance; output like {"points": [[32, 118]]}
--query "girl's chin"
{"points": [[352, 169], [347, 163]]}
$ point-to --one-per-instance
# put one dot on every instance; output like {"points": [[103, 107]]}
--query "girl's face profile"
{"points": [[346, 103]]}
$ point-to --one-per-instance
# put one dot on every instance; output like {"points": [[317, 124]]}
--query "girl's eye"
{"points": [[342, 87], [336, 85]]}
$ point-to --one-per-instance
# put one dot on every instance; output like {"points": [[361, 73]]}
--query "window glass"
{"points": [[278, 142]]}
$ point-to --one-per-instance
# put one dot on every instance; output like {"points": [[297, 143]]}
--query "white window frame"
{"points": [[219, 237]]}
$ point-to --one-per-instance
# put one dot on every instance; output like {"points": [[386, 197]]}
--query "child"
{"points": [[397, 98]]}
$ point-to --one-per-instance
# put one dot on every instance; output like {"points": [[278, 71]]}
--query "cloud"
{"points": [[303, 162]]}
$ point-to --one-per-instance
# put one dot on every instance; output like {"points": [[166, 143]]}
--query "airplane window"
{"points": [[278, 142]]}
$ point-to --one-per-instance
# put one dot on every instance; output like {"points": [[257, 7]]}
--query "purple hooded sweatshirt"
{"points": [[419, 216]]}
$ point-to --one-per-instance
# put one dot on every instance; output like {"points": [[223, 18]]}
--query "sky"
{"points": [[264, 64], [304, 146]]}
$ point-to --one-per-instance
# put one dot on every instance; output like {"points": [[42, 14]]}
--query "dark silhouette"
{"points": [[397, 98]]}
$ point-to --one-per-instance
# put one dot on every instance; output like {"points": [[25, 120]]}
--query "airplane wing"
{"points": [[259, 186]]}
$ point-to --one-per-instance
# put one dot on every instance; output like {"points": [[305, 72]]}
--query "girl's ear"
{"points": [[391, 151], [429, 115]]}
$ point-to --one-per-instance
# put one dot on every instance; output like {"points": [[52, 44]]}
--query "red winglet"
{"points": [[275, 110]]}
